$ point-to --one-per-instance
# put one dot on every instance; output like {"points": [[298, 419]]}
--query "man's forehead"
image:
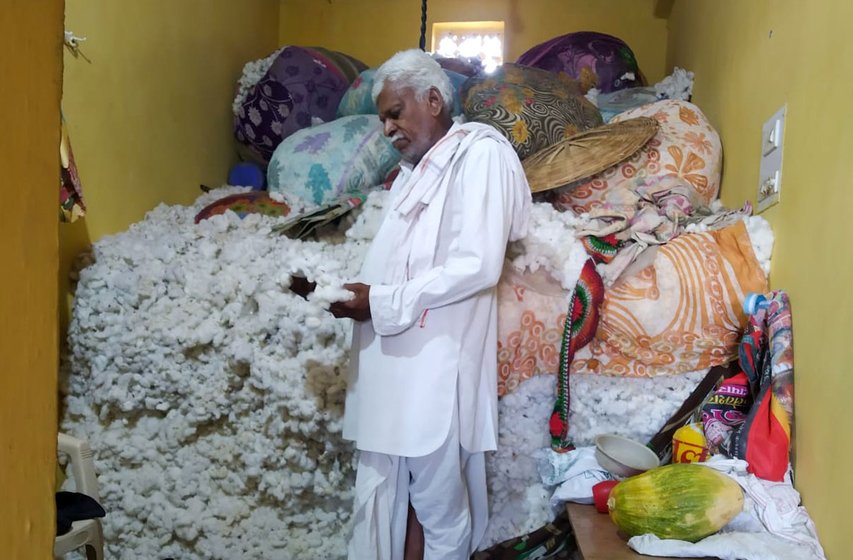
{"points": [[394, 93], [391, 98]]}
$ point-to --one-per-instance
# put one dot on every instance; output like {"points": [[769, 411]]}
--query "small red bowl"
{"points": [[600, 493]]}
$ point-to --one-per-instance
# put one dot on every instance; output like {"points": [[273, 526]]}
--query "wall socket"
{"points": [[770, 170]]}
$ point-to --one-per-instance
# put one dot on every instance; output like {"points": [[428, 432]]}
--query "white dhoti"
{"points": [[447, 488]]}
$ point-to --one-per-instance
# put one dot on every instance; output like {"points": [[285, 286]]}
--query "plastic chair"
{"points": [[87, 532]]}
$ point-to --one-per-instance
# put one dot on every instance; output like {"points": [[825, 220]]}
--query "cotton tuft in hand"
{"points": [[327, 295]]}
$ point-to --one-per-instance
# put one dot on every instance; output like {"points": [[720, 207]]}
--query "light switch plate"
{"points": [[770, 171], [772, 134]]}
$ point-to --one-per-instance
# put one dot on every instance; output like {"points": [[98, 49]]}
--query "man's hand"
{"points": [[358, 308], [300, 286]]}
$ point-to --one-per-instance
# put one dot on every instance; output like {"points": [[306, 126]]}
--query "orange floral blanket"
{"points": [[680, 313], [531, 315], [686, 148]]}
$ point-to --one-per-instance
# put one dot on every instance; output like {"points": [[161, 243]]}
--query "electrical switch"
{"points": [[770, 170]]}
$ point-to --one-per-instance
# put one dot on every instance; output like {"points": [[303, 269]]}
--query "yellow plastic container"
{"points": [[689, 444]]}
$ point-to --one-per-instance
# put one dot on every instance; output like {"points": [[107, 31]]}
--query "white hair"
{"points": [[417, 70]]}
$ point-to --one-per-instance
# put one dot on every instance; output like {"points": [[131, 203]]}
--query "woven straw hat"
{"points": [[587, 153]]}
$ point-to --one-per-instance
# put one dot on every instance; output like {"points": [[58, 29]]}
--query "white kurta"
{"points": [[433, 268]]}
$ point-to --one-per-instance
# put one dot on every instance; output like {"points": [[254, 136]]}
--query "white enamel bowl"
{"points": [[622, 456]]}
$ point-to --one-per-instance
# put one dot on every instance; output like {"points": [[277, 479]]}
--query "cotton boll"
{"points": [[696, 227], [313, 322], [678, 85], [518, 502], [551, 243], [326, 295], [632, 407], [762, 238], [369, 217]]}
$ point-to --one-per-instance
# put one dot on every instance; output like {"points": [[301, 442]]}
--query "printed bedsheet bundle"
{"points": [[679, 313]]}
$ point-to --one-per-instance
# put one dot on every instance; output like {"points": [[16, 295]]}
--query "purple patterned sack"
{"points": [[594, 59], [302, 84]]}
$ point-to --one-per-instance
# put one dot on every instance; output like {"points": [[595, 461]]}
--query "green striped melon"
{"points": [[684, 501]]}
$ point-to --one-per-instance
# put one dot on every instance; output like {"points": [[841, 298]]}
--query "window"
{"points": [[482, 40]]}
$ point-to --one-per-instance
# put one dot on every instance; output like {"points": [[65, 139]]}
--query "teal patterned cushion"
{"points": [[319, 165], [358, 99]]}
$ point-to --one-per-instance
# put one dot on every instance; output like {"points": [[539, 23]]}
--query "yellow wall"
{"points": [[148, 103], [373, 30], [31, 67], [750, 58]]}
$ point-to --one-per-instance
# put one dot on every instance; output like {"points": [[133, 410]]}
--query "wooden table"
{"points": [[598, 537]]}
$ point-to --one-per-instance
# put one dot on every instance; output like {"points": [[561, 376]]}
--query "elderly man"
{"points": [[422, 399]]}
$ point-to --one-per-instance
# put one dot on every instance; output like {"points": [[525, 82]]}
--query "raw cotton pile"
{"points": [[633, 407], [761, 237], [678, 85], [551, 244], [213, 397]]}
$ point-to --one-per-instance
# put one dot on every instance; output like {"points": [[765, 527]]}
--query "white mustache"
{"points": [[396, 137]]}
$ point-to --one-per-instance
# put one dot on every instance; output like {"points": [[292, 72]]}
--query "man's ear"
{"points": [[436, 102]]}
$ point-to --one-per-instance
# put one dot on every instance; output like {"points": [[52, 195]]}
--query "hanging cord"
{"points": [[423, 24]]}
